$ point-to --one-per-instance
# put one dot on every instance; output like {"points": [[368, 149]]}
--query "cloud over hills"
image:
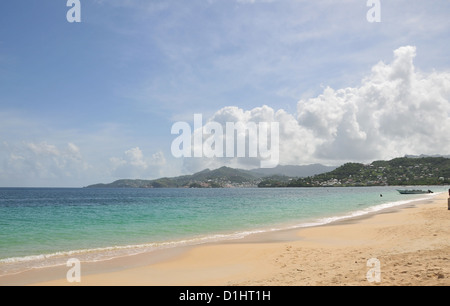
{"points": [[396, 110]]}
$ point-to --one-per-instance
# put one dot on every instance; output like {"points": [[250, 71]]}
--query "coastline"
{"points": [[410, 241]]}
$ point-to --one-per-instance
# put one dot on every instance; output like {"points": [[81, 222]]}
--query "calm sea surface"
{"points": [[44, 227]]}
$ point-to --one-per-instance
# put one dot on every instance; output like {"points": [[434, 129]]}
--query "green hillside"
{"points": [[399, 171], [222, 177]]}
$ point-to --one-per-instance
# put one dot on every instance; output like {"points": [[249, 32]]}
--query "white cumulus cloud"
{"points": [[40, 163], [396, 110], [134, 164]]}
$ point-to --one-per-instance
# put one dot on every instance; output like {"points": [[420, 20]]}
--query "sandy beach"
{"points": [[408, 245]]}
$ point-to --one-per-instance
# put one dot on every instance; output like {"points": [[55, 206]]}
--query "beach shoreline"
{"points": [[411, 243]]}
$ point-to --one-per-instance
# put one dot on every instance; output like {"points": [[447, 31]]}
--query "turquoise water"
{"points": [[43, 227]]}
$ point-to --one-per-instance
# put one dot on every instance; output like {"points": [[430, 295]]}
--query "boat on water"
{"points": [[414, 191]]}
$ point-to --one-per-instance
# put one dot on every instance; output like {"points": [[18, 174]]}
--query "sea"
{"points": [[43, 227]]}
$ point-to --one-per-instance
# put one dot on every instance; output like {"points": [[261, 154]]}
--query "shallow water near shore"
{"points": [[45, 227]]}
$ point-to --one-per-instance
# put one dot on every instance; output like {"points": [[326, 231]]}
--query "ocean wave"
{"points": [[366, 211], [15, 265]]}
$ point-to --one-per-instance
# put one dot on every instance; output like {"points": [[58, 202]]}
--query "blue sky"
{"points": [[94, 101]]}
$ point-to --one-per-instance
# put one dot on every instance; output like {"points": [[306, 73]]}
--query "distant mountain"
{"points": [[224, 173], [423, 156], [295, 171], [222, 177]]}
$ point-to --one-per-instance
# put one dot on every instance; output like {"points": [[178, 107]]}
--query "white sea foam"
{"points": [[369, 210], [18, 264]]}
